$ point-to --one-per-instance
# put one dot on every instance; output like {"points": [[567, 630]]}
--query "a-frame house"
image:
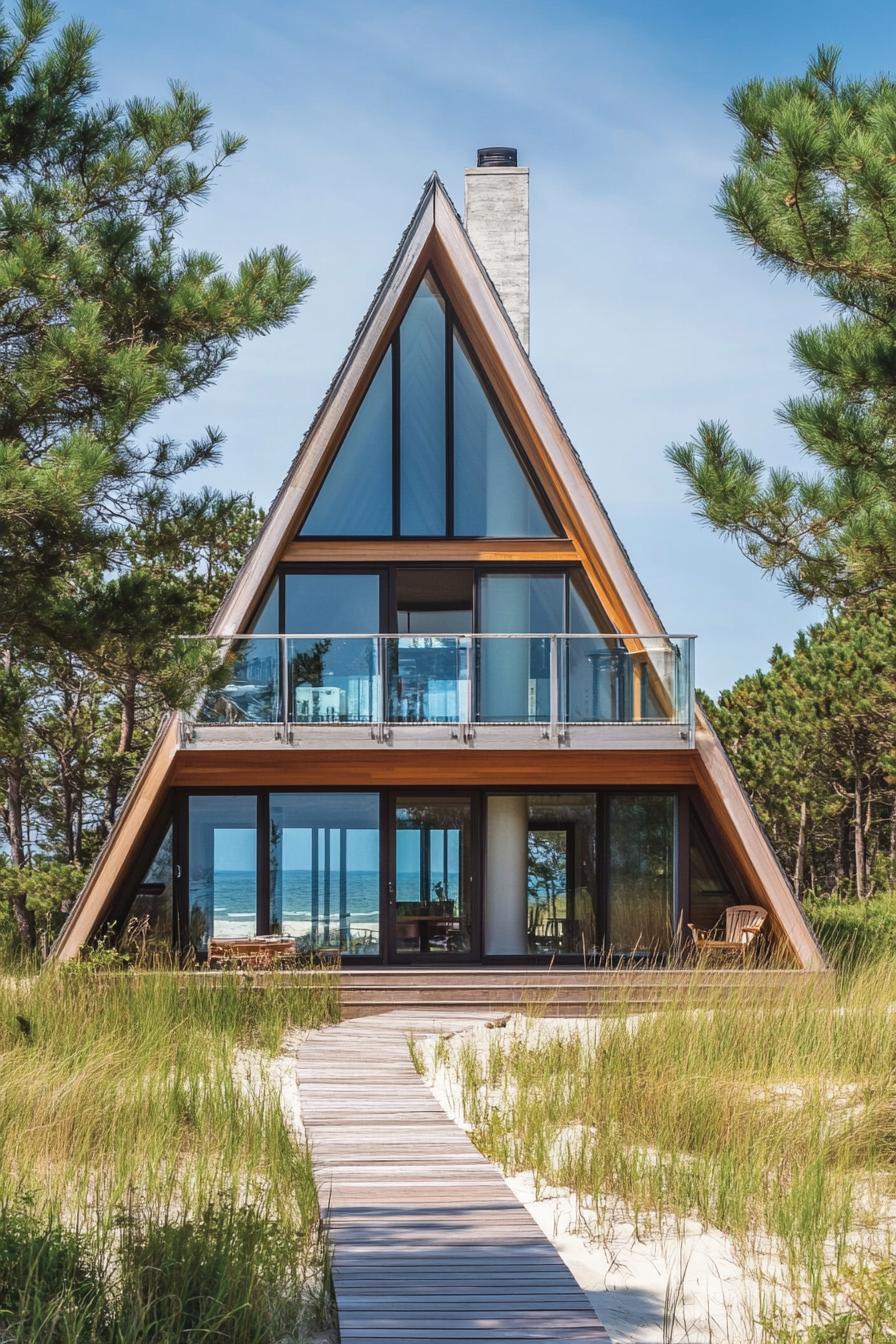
{"points": [[448, 726]]}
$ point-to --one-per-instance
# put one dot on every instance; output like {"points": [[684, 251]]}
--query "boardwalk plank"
{"points": [[429, 1244]]}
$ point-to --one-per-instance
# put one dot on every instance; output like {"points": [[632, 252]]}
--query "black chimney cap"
{"points": [[496, 156]]}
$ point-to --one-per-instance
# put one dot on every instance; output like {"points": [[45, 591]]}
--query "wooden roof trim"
{"points": [[118, 853]]}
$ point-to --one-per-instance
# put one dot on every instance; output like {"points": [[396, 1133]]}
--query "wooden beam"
{"points": [[280, 767], [461, 551]]}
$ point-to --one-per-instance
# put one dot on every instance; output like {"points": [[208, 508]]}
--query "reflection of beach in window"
{"points": [[325, 870], [223, 868]]}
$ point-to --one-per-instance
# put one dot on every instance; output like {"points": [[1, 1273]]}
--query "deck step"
{"points": [[553, 992]]}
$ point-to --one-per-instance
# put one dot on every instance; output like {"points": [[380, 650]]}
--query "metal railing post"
{"points": [[382, 677], [554, 688], [284, 684]]}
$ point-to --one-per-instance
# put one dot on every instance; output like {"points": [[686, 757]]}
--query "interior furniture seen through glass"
{"points": [[223, 868], [431, 886], [641, 879], [325, 870], [333, 679], [429, 661], [491, 493]]}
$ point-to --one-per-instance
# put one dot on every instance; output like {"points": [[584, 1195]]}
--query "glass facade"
{"points": [[541, 884], [437, 437], [641, 880], [433, 878], [148, 929], [355, 499], [710, 890], [333, 674], [222, 879], [422, 424], [325, 870], [492, 494], [586, 875], [248, 689], [515, 674]]}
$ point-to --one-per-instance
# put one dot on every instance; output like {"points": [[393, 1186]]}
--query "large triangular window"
{"points": [[427, 454]]}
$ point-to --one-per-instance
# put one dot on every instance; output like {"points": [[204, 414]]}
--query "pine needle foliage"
{"points": [[104, 317], [813, 197]]}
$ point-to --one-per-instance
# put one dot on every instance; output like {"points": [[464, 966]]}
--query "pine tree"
{"points": [[813, 197], [814, 741], [104, 320]]}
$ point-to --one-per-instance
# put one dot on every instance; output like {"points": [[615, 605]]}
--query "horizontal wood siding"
{"points": [[283, 766]]}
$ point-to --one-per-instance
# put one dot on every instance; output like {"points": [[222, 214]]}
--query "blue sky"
{"points": [[645, 315]]}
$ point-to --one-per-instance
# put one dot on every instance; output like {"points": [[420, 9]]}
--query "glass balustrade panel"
{"points": [[333, 680], [428, 679]]}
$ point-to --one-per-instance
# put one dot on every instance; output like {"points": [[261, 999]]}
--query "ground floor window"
{"points": [[641, 885], [430, 876], [222, 890], [325, 870]]}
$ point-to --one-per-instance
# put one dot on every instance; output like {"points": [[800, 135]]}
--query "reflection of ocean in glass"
{"points": [[234, 902], [232, 896]]}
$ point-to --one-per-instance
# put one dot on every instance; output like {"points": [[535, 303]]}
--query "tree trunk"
{"points": [[843, 846], [14, 819], [125, 738], [800, 867], [859, 837]]}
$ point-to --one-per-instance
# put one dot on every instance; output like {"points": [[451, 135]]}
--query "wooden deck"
{"points": [[429, 1245]]}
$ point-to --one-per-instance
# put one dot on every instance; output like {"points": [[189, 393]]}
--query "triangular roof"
{"points": [[435, 235]]}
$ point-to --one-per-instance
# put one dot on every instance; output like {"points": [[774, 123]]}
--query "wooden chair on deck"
{"points": [[743, 925]]}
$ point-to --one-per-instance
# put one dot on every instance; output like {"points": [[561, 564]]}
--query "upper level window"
{"points": [[356, 496], [427, 453], [421, 344]]}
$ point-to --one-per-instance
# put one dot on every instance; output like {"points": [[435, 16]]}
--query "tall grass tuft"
{"points": [[771, 1119], [145, 1193]]}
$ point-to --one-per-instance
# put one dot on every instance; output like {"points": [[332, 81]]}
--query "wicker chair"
{"points": [[743, 925]]}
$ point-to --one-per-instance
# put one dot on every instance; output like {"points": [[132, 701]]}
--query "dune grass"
{"points": [[145, 1194], [774, 1123]]}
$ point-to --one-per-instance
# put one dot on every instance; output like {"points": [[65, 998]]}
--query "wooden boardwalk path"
{"points": [[429, 1244]]}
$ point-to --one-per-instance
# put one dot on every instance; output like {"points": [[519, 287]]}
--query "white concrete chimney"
{"points": [[496, 216]]}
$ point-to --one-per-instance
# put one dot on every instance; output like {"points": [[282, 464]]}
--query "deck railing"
{"points": [[552, 680]]}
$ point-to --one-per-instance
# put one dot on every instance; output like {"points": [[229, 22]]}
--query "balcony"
{"points": [[435, 691]]}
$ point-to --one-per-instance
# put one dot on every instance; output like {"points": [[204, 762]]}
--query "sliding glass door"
{"points": [[431, 885]]}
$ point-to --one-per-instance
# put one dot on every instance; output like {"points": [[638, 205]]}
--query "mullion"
{"points": [[396, 433], [449, 420]]}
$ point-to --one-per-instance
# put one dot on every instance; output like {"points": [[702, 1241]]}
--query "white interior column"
{"points": [[506, 875]]}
